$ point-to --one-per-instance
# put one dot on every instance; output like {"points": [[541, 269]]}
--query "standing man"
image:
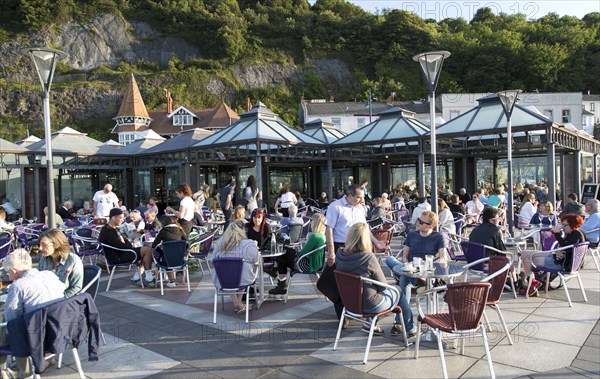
{"points": [[341, 215], [225, 199], [104, 201], [592, 222]]}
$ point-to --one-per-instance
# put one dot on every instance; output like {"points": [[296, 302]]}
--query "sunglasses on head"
{"points": [[423, 222]]}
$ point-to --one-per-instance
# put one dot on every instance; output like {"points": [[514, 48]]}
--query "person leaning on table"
{"points": [[31, 290]]}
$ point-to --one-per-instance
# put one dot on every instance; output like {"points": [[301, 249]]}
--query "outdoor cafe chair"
{"points": [[129, 257], [27, 238], [498, 269], [200, 248], [595, 251], [351, 292], [91, 283], [229, 273], [174, 258], [454, 248], [85, 247], [297, 270], [6, 245], [466, 303], [579, 251]]}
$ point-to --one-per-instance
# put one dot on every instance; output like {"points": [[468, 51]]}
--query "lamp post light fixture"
{"points": [[431, 65], [508, 99], [45, 59]]}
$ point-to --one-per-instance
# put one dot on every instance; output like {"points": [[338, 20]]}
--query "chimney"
{"points": [[169, 101], [248, 104]]}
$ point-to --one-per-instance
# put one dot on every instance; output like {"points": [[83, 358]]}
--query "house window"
{"points": [[593, 107], [566, 116], [337, 121], [126, 138], [454, 114], [182, 119], [548, 113], [360, 122]]}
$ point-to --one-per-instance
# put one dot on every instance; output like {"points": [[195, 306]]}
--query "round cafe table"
{"points": [[265, 255]]}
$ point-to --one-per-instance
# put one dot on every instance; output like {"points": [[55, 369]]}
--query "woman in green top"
{"points": [[312, 263]]}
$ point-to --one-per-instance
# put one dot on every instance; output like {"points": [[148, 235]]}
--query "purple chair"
{"points": [[229, 272], [27, 238], [85, 247], [200, 248], [473, 251], [6, 245], [579, 251]]}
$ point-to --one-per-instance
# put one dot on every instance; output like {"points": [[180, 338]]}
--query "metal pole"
{"points": [[509, 202], [433, 151], [49, 166]]}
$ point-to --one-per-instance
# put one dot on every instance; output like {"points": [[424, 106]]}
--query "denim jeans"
{"points": [[405, 284]]}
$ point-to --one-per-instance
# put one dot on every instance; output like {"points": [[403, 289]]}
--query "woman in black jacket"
{"points": [[171, 231]]}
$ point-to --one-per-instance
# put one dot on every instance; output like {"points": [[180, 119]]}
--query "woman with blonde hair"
{"points": [[445, 217], [235, 244], [314, 262], [57, 257], [357, 258], [239, 213]]}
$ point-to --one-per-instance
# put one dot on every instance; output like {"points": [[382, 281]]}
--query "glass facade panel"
{"points": [[142, 188], [10, 190], [587, 167], [77, 187], [404, 175], [294, 177], [173, 179]]}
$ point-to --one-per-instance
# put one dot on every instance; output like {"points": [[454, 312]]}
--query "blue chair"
{"points": [[85, 247], [6, 245], [473, 251], [173, 258], [229, 272]]}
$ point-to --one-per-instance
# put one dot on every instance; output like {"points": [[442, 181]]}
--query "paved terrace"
{"points": [[172, 336]]}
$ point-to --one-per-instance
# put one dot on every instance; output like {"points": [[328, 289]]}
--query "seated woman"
{"points": [[357, 258], [544, 215], [528, 209], [312, 263], [57, 257], [235, 244], [446, 219], [152, 223], [239, 213], [569, 225], [258, 229], [171, 231]]}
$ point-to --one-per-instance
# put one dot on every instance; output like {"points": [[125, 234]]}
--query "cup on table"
{"points": [[408, 266], [429, 262], [417, 261], [423, 267]]}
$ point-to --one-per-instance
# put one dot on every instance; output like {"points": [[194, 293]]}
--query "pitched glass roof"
{"points": [[68, 141], [488, 118], [394, 125], [9, 147], [323, 131], [260, 124], [181, 141]]}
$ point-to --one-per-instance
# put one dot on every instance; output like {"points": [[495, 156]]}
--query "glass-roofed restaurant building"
{"points": [[390, 151]]}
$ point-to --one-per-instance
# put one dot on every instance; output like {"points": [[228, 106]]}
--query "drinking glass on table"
{"points": [[429, 262]]}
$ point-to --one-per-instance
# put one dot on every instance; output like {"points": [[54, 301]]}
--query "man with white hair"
{"points": [[31, 290], [66, 211], [592, 222], [104, 201]]}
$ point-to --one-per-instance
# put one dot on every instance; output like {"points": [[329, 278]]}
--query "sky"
{"points": [[467, 8]]}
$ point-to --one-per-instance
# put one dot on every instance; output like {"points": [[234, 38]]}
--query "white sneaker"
{"points": [[171, 284]]}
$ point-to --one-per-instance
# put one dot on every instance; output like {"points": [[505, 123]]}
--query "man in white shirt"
{"points": [[104, 201]]}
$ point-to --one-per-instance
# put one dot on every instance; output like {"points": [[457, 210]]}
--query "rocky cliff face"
{"points": [[110, 40]]}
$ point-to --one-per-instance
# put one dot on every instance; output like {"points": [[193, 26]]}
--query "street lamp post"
{"points": [[431, 65], [45, 59], [508, 99]]}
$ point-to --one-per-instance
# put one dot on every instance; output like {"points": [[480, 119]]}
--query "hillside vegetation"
{"points": [[489, 53]]}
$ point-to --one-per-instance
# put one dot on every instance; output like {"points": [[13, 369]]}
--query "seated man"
{"points": [[474, 208], [572, 206], [592, 222], [488, 233], [110, 235], [455, 207], [292, 219], [31, 289], [66, 211]]}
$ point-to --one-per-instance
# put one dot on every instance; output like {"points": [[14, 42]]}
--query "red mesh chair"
{"points": [[351, 292], [579, 251], [498, 268], [466, 303]]}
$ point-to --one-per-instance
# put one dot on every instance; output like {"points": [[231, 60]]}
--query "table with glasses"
{"points": [[263, 255], [440, 270]]}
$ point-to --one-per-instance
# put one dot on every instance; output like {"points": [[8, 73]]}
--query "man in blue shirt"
{"points": [[592, 222]]}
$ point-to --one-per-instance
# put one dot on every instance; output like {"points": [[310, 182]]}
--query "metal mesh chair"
{"points": [[297, 270], [473, 251], [466, 303], [229, 273], [351, 292], [498, 268], [200, 248], [565, 274], [6, 245], [127, 257]]}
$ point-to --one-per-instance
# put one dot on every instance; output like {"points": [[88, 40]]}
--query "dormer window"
{"points": [[183, 120]]}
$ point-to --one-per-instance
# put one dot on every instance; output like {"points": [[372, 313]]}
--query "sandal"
{"points": [[242, 309]]}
